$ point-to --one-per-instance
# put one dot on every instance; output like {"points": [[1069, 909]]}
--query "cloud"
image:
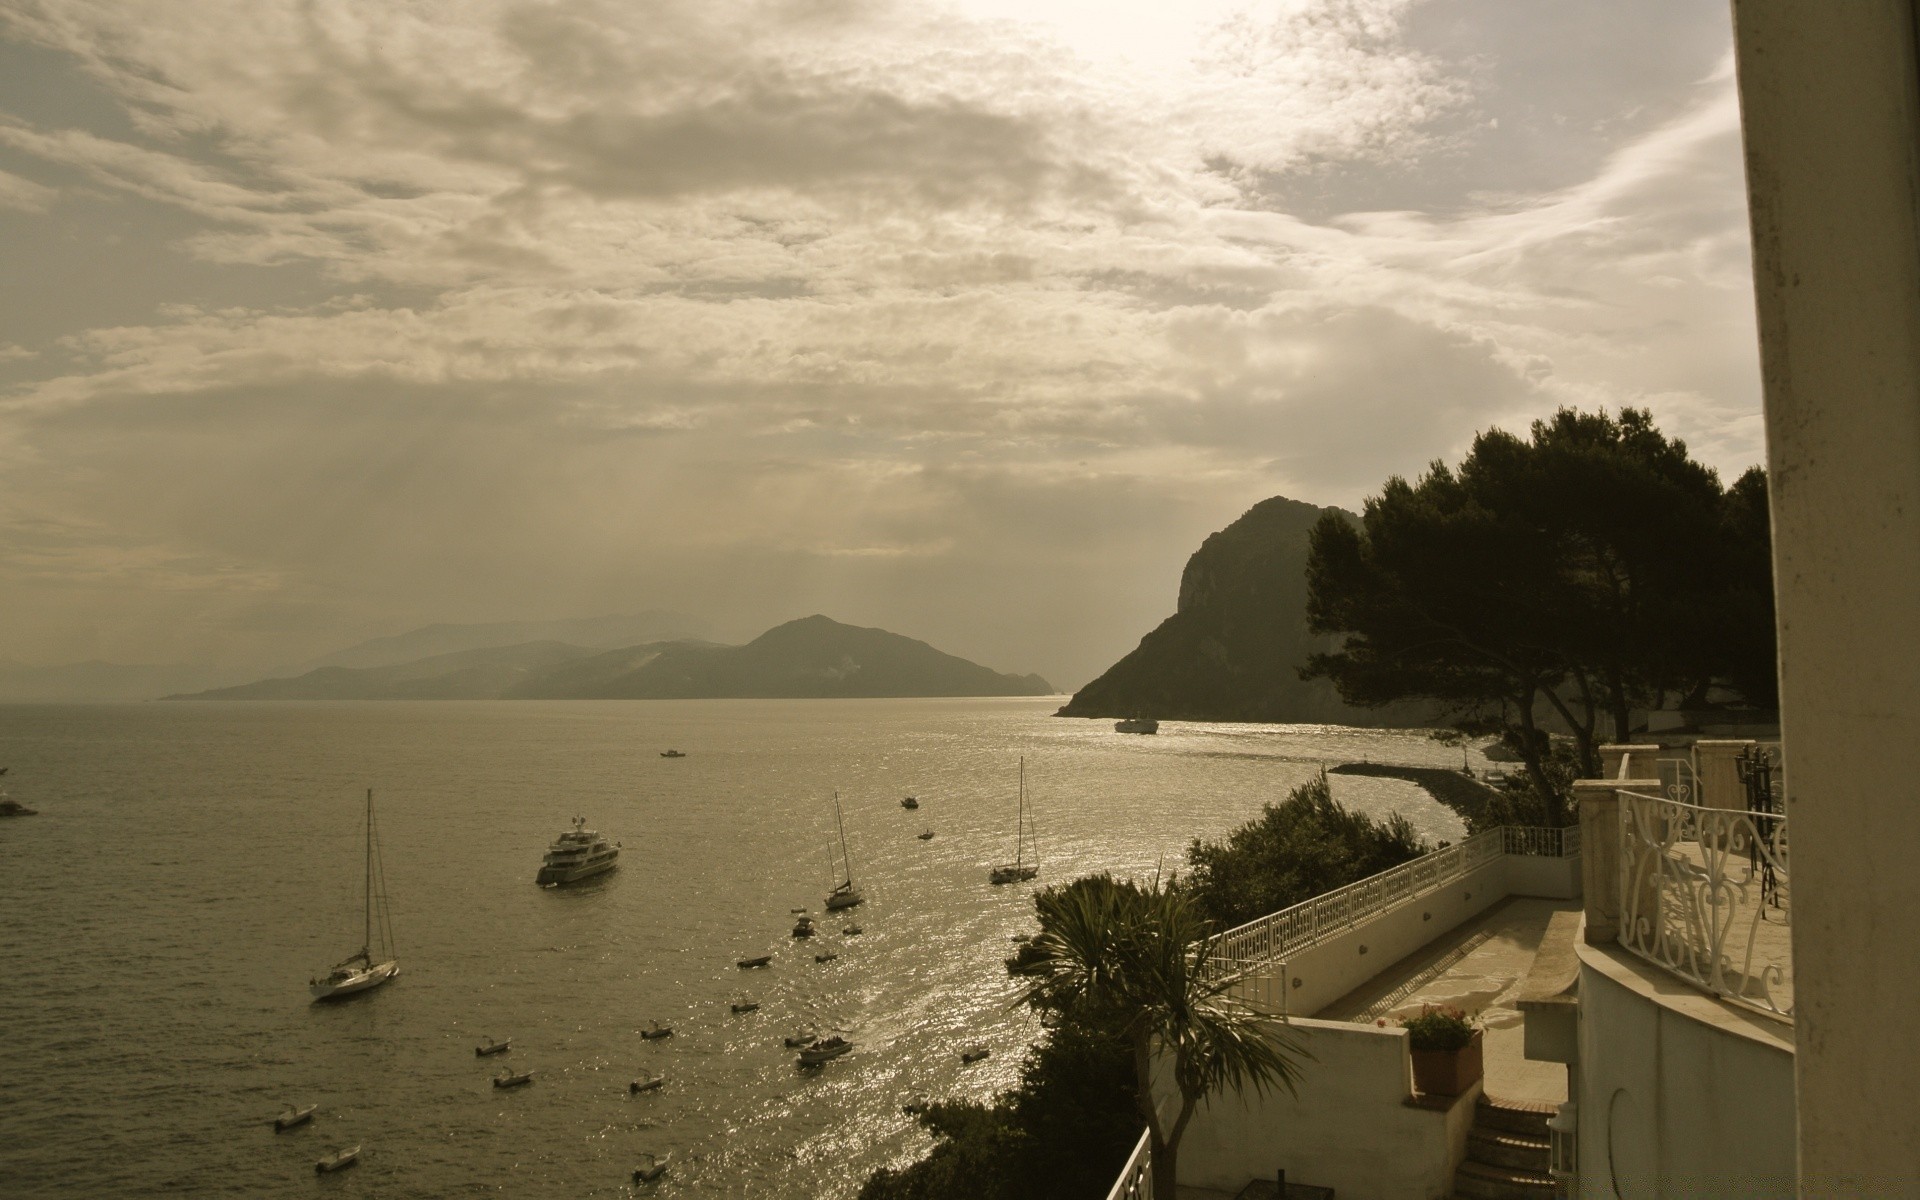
{"points": [[975, 313]]}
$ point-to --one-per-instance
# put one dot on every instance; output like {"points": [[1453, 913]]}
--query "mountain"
{"points": [[103, 681], [809, 658], [1232, 649], [485, 674], [596, 633], [813, 657]]}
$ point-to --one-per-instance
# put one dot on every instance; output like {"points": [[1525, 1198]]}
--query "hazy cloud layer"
{"points": [[323, 318]]}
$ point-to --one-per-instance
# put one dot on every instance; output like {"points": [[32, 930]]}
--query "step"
{"points": [[1498, 1148], [1513, 1116], [1478, 1181]]}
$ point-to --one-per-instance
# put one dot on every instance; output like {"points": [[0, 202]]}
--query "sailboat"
{"points": [[844, 894], [1020, 869], [365, 968]]}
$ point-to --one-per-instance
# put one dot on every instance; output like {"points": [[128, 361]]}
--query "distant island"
{"points": [[811, 658], [1232, 649]]}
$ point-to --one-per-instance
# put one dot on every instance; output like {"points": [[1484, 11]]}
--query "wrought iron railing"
{"points": [[1136, 1178], [1705, 893]]}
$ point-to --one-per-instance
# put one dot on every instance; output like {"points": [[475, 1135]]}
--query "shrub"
{"points": [[1438, 1028]]}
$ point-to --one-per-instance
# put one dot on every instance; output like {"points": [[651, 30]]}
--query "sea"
{"points": [[194, 864]]}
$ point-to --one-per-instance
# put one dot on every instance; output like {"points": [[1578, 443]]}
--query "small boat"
{"points": [[844, 894], [13, 808], [974, 1054], [1029, 959], [795, 1041], [745, 1006], [803, 928], [853, 931], [656, 1031], [748, 964], [577, 854], [508, 1079], [338, 1160], [651, 1083], [915, 1105], [493, 1046], [369, 967], [826, 1051], [910, 802], [672, 754], [1137, 725], [829, 956], [927, 836], [652, 1169], [1020, 869], [294, 1116]]}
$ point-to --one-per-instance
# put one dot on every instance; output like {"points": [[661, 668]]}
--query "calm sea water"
{"points": [[194, 864]]}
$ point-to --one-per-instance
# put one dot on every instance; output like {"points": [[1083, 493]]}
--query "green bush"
{"points": [[1294, 851]]}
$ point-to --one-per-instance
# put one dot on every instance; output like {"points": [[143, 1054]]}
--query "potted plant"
{"points": [[1446, 1050]]}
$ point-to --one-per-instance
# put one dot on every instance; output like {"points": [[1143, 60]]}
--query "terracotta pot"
{"points": [[1448, 1072]]}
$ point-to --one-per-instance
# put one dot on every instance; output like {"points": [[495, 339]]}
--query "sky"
{"points": [[324, 319]]}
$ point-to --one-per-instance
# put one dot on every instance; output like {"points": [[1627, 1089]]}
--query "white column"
{"points": [[1831, 111]]}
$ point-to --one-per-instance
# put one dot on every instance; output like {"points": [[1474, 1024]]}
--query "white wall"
{"points": [[1351, 1128], [1680, 1095], [1830, 105]]}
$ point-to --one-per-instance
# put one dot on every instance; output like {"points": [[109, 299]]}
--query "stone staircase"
{"points": [[1507, 1153]]}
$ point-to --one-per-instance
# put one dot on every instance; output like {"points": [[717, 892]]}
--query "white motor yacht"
{"points": [[577, 854]]}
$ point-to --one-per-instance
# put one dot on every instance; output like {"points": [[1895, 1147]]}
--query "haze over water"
{"points": [[193, 865]]}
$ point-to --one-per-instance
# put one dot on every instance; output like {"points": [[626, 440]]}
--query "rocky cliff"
{"points": [[1232, 650]]}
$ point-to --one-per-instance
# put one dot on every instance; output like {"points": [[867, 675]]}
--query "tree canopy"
{"points": [[1588, 570]]}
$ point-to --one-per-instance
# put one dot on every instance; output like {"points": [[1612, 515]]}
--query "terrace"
{"points": [[1683, 895]]}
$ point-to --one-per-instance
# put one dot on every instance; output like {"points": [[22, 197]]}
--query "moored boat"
{"points": [[338, 1160], [511, 1079], [974, 1054], [651, 1083], [748, 964], [13, 808], [656, 1031], [844, 893], [910, 802], [493, 1046], [579, 853], [374, 963], [1022, 867], [652, 1169], [745, 1006], [294, 1116], [1137, 725], [824, 1051]]}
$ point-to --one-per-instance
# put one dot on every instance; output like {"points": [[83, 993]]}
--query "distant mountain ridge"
{"points": [[813, 657], [597, 633], [1232, 649]]}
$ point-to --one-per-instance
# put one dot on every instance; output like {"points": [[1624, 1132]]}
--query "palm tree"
{"points": [[1135, 960]]}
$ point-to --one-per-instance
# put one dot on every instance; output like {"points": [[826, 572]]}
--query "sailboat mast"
{"points": [[841, 820], [366, 946], [1020, 820]]}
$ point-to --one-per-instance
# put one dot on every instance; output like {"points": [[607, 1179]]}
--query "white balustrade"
{"points": [[1268, 940], [1705, 893], [1136, 1178]]}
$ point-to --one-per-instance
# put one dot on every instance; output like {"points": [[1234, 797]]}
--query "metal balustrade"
{"points": [[1136, 1178], [1269, 940], [1705, 893]]}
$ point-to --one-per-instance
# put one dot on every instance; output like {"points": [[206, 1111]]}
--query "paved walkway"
{"points": [[1479, 967]]}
